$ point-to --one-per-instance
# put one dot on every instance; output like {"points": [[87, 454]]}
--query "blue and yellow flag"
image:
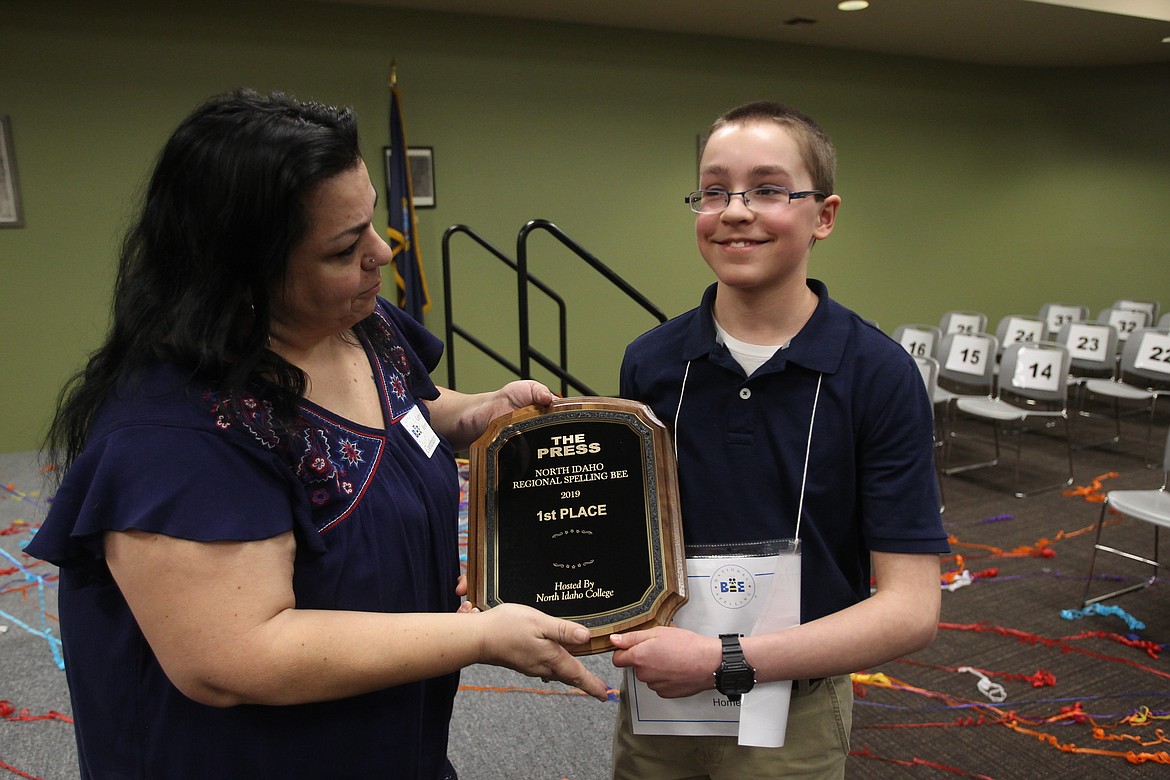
{"points": [[402, 230]]}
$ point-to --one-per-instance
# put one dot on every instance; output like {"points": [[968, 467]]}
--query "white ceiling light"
{"points": [[852, 5]]}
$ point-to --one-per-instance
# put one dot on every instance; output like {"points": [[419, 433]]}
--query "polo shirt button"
{"points": [[745, 393]]}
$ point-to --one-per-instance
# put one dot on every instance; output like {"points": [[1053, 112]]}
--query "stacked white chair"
{"points": [[1150, 506], [1142, 378]]}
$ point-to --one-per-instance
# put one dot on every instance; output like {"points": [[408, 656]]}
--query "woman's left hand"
{"points": [[462, 418], [465, 606]]}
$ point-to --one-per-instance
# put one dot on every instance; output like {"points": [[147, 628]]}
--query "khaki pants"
{"points": [[815, 746]]}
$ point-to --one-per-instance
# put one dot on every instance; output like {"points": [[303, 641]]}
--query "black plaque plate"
{"points": [[573, 510]]}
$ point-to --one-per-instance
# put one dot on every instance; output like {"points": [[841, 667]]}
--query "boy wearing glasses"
{"points": [[793, 419]]}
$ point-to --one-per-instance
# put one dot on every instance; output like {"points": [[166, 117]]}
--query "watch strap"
{"points": [[733, 661]]}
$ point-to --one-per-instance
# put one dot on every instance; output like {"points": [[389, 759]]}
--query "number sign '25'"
{"points": [[963, 323]]}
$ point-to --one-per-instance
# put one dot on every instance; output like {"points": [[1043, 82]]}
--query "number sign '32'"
{"points": [[1126, 321]]}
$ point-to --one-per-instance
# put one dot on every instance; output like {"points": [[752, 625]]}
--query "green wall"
{"points": [[995, 189]]}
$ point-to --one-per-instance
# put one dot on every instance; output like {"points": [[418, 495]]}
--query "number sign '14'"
{"points": [[1038, 369]]}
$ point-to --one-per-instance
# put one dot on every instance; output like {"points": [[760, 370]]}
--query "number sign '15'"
{"points": [[969, 354]]}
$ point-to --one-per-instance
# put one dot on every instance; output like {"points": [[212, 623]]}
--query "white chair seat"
{"points": [[1142, 376], [1115, 389], [941, 396], [995, 409], [1153, 506]]}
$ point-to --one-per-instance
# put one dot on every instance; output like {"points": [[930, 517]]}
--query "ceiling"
{"points": [[1042, 33]]}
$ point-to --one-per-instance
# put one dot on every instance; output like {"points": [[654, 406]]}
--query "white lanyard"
{"points": [[807, 448]]}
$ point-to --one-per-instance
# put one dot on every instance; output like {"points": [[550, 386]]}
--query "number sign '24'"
{"points": [[1022, 329]]}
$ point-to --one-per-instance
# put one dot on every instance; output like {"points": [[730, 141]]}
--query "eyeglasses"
{"points": [[757, 199]]}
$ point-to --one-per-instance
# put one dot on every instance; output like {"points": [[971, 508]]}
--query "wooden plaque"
{"points": [[573, 510]]}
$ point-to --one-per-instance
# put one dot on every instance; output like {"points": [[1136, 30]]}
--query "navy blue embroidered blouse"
{"points": [[375, 521]]}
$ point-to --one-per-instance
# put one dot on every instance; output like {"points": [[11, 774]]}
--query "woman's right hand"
{"points": [[222, 619], [532, 643]]}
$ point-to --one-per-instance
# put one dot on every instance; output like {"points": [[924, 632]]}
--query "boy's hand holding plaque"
{"points": [[573, 510]]}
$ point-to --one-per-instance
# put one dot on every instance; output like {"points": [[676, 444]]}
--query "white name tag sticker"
{"points": [[420, 430]]}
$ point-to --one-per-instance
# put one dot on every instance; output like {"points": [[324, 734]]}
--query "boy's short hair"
{"points": [[819, 154]]}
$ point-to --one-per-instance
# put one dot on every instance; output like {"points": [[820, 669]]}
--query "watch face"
{"points": [[736, 681]]}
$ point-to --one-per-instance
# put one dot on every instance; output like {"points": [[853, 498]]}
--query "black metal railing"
{"points": [[528, 354]]}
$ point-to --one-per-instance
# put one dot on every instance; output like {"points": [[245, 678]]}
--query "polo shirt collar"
{"points": [[819, 346]]}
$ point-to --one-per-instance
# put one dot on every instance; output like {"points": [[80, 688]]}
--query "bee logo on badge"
{"points": [[733, 586]]}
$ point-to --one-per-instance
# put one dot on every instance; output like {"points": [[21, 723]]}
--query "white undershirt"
{"points": [[749, 356]]}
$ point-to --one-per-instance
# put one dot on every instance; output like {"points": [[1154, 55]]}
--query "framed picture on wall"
{"points": [[422, 174], [11, 212]]}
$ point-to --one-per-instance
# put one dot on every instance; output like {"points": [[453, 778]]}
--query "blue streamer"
{"points": [[45, 632], [1104, 610]]}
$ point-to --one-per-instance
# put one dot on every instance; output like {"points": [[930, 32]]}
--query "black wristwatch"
{"points": [[735, 676]]}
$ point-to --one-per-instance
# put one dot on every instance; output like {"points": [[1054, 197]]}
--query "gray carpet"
{"points": [[929, 721]]}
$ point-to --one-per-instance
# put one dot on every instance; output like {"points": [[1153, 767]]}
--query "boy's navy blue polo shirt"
{"points": [[741, 443]]}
